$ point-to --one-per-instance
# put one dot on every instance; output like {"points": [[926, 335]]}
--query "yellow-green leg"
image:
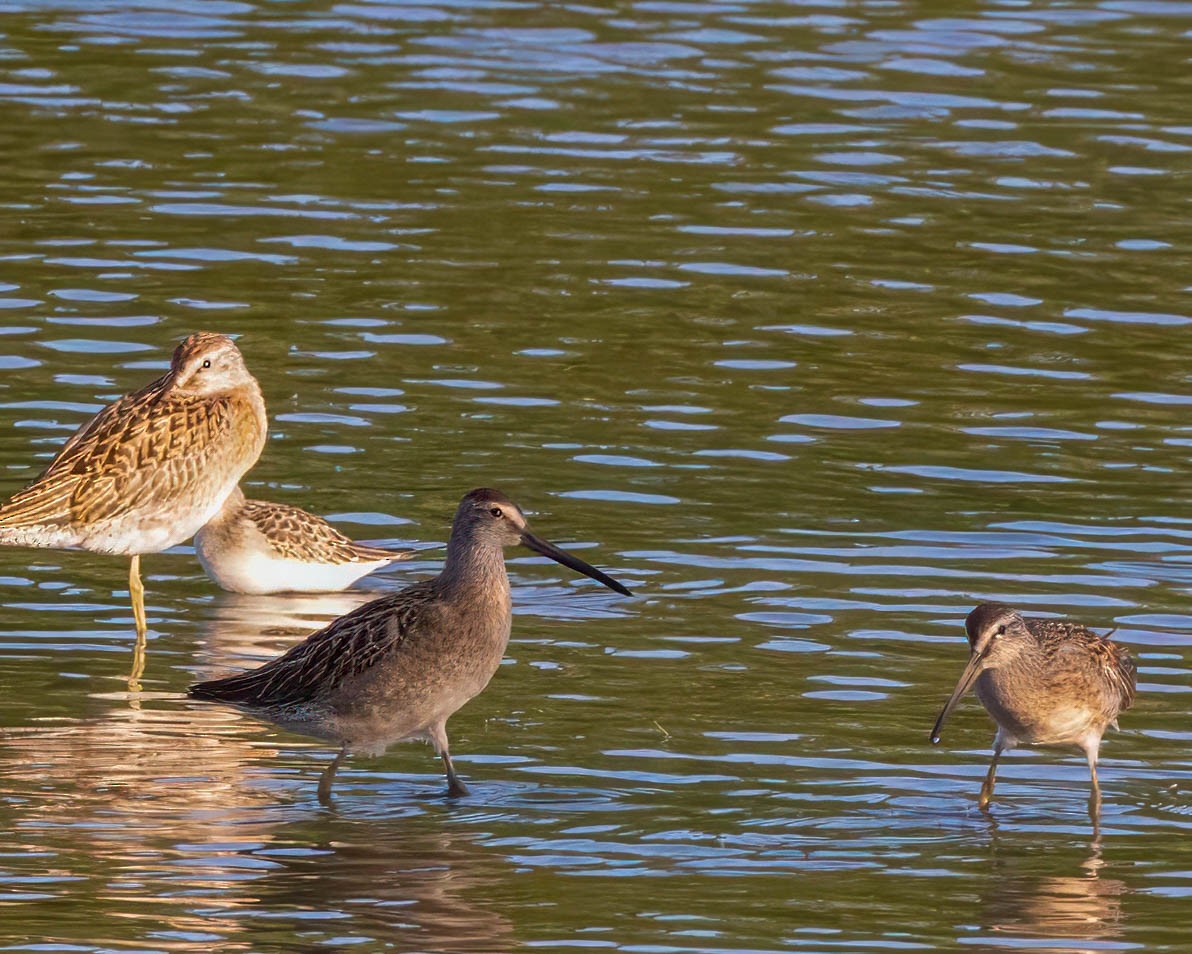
{"points": [[1095, 794], [136, 591], [990, 779]]}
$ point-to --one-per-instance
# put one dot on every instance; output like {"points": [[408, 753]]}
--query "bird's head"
{"points": [[206, 363], [488, 517], [997, 634]]}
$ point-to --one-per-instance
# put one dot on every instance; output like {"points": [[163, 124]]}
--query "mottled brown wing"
{"points": [[348, 646], [295, 534], [365, 554], [48, 500], [156, 456], [1122, 671], [103, 420], [1113, 662]]}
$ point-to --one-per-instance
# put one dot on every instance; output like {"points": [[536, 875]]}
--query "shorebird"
{"points": [[258, 547], [397, 668], [1044, 682], [147, 471]]}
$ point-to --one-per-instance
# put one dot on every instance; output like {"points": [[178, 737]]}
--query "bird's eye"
{"points": [[1001, 630], [207, 364], [496, 512]]}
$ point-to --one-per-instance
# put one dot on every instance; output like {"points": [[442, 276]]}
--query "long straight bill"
{"points": [[547, 549]]}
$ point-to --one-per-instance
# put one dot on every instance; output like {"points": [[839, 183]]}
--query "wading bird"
{"points": [[1044, 682], [148, 471], [254, 546], [398, 668]]}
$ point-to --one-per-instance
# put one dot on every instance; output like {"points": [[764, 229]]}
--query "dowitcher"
{"points": [[147, 471], [1044, 682], [397, 668], [254, 546]]}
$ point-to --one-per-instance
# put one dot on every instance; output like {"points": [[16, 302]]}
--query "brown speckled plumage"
{"points": [[318, 667], [1043, 682], [150, 469], [1072, 654], [400, 666], [150, 457], [256, 546], [297, 535]]}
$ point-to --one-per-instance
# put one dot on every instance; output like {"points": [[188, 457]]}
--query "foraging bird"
{"points": [[254, 546], [1044, 682], [147, 471], [397, 668]]}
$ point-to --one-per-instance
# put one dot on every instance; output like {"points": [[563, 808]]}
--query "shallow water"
{"points": [[814, 323]]}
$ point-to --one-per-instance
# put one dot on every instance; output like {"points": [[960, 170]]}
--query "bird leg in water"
{"points": [[329, 775], [138, 664], [438, 737], [990, 779], [455, 788], [137, 592], [1095, 794]]}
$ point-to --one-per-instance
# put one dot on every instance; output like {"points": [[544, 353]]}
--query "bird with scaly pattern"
{"points": [[1044, 682], [149, 470], [257, 547]]}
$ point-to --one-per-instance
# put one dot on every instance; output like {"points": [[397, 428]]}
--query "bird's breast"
{"points": [[1038, 710]]}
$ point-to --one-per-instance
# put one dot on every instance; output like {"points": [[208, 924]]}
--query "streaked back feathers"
{"points": [[320, 664], [167, 444], [1054, 645]]}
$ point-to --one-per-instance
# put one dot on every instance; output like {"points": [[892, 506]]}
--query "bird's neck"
{"points": [[231, 506], [477, 571]]}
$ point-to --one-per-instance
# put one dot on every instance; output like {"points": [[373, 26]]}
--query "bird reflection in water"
{"points": [[245, 630], [409, 882], [112, 796], [132, 760], [153, 808], [1056, 911]]}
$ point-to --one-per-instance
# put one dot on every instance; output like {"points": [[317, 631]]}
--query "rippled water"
{"points": [[816, 322]]}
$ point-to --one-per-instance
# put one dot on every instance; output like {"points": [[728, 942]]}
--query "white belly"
{"points": [[250, 571], [145, 532], [150, 529]]}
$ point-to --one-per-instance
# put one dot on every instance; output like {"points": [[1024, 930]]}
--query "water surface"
{"points": [[815, 323]]}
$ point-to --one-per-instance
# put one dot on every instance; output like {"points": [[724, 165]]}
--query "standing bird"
{"points": [[398, 668], [254, 546], [1044, 682], [147, 471]]}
